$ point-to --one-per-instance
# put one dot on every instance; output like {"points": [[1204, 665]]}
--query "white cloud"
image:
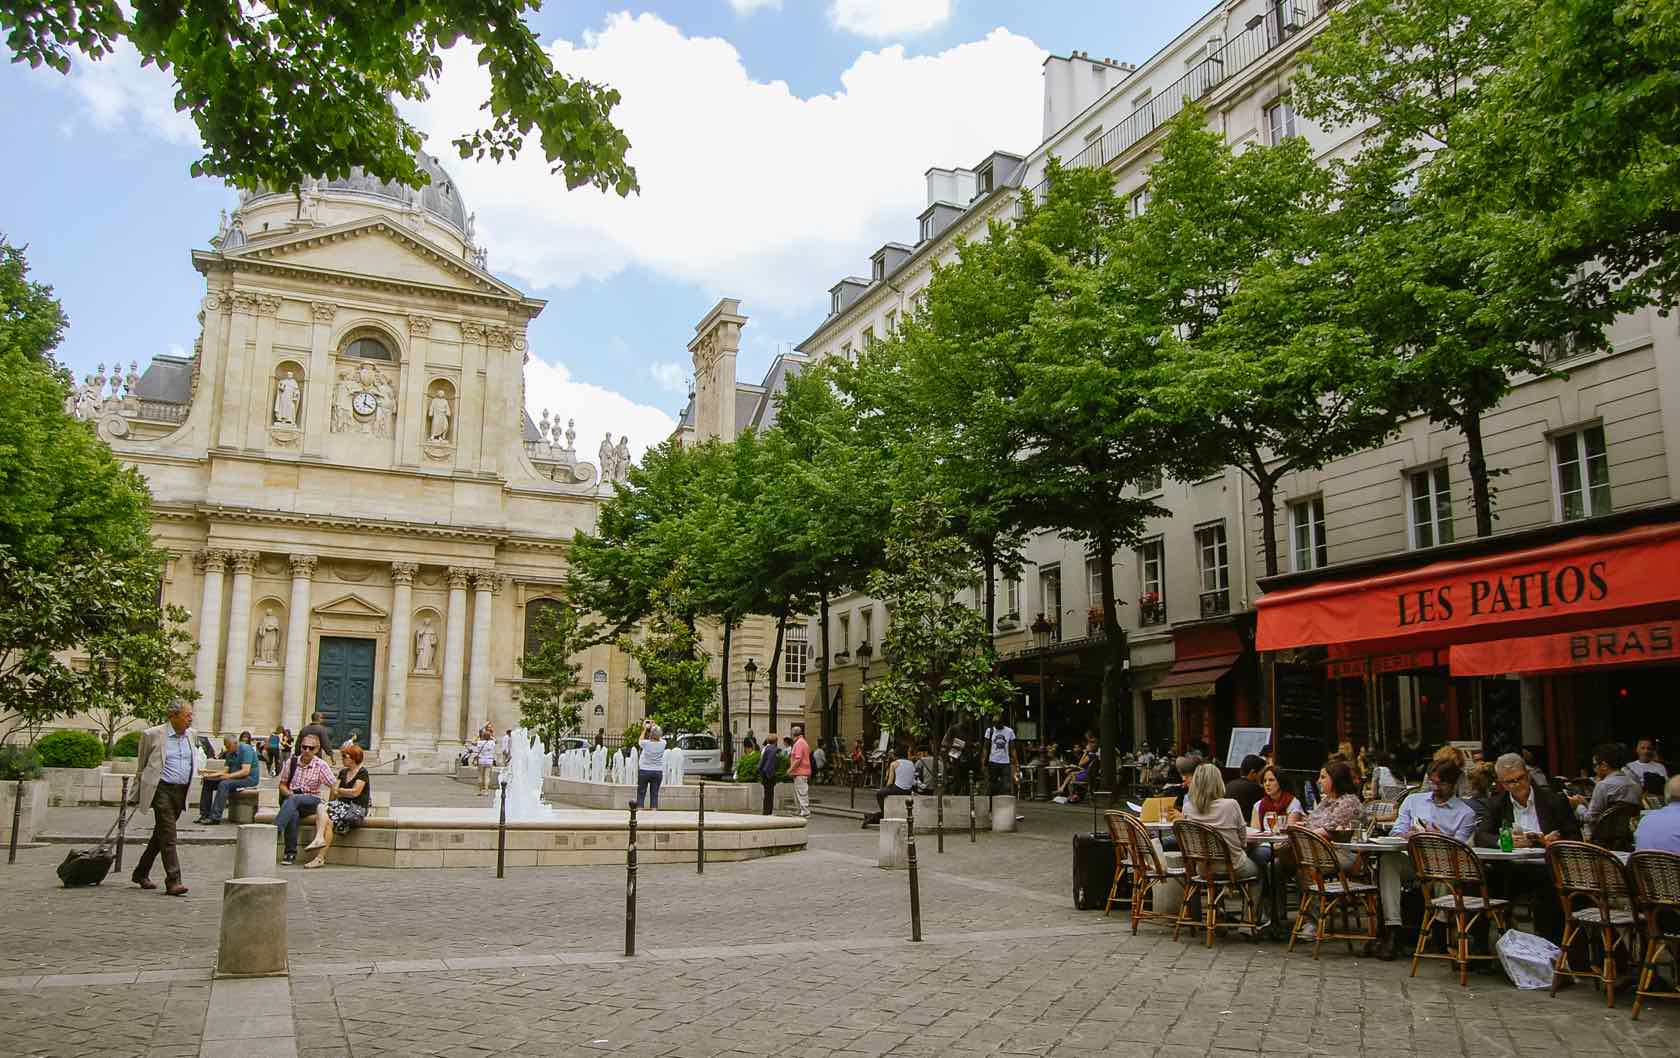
{"points": [[748, 190], [671, 376], [117, 90], [889, 18], [595, 409], [747, 7]]}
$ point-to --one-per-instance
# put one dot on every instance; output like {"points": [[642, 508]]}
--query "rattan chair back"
{"points": [[1445, 860], [1613, 829], [1584, 870], [1655, 878], [1205, 853]]}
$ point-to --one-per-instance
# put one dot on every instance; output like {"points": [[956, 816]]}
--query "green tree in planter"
{"points": [[675, 680], [70, 748], [128, 745], [551, 702], [135, 670]]}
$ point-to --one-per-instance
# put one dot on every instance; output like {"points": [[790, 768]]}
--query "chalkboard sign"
{"points": [[1303, 729]]}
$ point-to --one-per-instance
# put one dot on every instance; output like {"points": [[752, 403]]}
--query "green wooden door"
{"points": [[344, 688]]}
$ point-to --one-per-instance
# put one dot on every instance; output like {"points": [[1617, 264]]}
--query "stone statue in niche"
{"points": [[425, 646], [343, 391], [437, 416], [268, 639], [286, 393]]}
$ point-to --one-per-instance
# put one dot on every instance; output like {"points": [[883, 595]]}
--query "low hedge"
{"points": [[746, 768], [19, 762], [70, 749], [127, 746]]}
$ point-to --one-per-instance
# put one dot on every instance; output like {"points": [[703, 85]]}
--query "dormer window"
{"points": [[834, 303], [983, 181], [879, 270], [927, 227]]}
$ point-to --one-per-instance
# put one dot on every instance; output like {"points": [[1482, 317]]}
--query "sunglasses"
{"points": [[308, 748]]}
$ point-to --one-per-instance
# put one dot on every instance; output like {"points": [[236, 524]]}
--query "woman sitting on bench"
{"points": [[1081, 776]]}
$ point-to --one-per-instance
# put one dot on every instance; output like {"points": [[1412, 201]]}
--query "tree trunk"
{"points": [[830, 715], [988, 555], [1481, 497], [728, 743], [1116, 674], [770, 680], [1266, 485]]}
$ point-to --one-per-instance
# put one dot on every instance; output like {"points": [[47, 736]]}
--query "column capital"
{"points": [[323, 311], [244, 561], [303, 565], [419, 325], [403, 572], [210, 560], [488, 580], [473, 330], [458, 577]]}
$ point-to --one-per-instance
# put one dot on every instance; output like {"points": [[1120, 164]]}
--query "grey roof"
{"points": [[686, 419], [747, 398], [167, 379], [441, 197], [775, 384], [529, 428]]}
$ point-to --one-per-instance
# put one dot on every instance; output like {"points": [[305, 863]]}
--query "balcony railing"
{"points": [[161, 411], [1152, 614], [1215, 603], [1280, 25]]}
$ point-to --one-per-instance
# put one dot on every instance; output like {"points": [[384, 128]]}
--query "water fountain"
{"points": [[522, 779]]}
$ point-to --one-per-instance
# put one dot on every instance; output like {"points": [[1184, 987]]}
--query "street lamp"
{"points": [[752, 674], [865, 653], [1041, 629]]}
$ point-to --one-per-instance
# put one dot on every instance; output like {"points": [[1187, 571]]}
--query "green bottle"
{"points": [[1505, 843]]}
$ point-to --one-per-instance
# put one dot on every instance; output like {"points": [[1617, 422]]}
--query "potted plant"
{"points": [[1093, 618], [1152, 607], [1009, 622]]}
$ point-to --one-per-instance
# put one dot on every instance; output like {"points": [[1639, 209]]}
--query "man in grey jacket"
{"points": [[165, 766]]}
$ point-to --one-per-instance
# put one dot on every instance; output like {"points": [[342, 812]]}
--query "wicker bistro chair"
{"points": [[1593, 889], [1150, 873], [1613, 829], [1326, 891], [1382, 814], [1124, 865], [1210, 874], [1456, 895], [1656, 901]]}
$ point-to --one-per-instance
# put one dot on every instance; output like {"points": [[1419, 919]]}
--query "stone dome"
{"points": [[441, 198]]}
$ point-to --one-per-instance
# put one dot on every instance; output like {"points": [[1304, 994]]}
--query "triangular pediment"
{"points": [[376, 247], [351, 605]]}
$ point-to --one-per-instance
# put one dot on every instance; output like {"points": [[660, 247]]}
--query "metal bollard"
{"points": [[971, 837], [939, 812], [630, 888], [852, 772], [915, 891], [700, 834], [122, 826], [501, 834], [17, 821]]}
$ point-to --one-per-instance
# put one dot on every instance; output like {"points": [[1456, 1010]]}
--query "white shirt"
{"points": [[1000, 738], [1639, 769], [485, 753], [505, 744], [1525, 818], [904, 773], [653, 755]]}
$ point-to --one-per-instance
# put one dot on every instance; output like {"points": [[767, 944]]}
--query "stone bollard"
{"points": [[893, 852], [254, 853], [253, 940], [1003, 814]]}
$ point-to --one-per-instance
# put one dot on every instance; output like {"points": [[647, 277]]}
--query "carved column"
{"points": [[469, 407], [396, 659], [485, 585], [317, 393], [238, 642], [412, 385], [454, 639], [292, 713], [230, 427], [259, 399], [211, 563], [498, 343]]}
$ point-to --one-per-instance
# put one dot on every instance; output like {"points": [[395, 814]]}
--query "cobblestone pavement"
{"points": [[805, 954]]}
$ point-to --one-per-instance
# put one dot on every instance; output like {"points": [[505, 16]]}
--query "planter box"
{"points": [[74, 786], [956, 812], [36, 794]]}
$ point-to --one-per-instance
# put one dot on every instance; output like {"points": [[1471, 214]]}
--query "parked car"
{"points": [[701, 754], [571, 742]]}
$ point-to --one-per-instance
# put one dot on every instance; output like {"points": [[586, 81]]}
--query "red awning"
{"points": [[1629, 644], [1194, 677], [1580, 583]]}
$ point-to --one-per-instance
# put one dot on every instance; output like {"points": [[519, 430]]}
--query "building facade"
{"points": [[1601, 440], [360, 516]]}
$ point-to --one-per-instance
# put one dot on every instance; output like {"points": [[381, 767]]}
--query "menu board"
{"points": [[1302, 717]]}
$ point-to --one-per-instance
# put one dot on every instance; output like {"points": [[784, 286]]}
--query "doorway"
{"points": [[344, 688]]}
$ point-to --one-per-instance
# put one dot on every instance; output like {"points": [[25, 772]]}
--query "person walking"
{"points": [[650, 772], [799, 769], [1001, 764], [301, 787], [484, 755], [274, 752], [767, 765], [504, 746], [165, 767]]}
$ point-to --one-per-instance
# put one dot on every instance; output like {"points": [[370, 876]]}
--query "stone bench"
{"points": [[956, 812], [264, 802]]}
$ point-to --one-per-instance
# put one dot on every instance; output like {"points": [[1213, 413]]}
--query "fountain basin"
{"points": [[466, 837], [720, 797]]}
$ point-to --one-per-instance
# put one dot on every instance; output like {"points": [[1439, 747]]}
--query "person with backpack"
{"points": [[1001, 764]]}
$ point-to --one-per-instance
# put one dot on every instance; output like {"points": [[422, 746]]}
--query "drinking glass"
{"points": [[1271, 819]]}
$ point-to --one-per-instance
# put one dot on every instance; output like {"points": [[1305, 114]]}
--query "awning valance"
{"points": [[1577, 583], [1629, 644], [1194, 677]]}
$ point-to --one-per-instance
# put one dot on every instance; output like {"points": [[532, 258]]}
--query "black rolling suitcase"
{"points": [[1093, 871]]}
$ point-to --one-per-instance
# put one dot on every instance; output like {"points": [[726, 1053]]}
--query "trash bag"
{"points": [[1528, 960]]}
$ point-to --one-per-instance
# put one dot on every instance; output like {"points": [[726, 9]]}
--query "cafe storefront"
{"points": [[1554, 638]]}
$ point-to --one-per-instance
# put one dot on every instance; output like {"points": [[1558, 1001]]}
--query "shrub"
{"points": [[19, 762], [70, 749], [127, 746], [746, 768]]}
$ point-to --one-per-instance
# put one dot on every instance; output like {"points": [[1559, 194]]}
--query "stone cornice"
{"points": [[393, 527]]}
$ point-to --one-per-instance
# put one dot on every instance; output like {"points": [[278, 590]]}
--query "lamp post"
{"points": [[865, 654], [1041, 629], [751, 670]]}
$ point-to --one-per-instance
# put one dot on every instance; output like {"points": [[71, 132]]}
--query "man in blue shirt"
{"points": [[1438, 809], [165, 767], [1659, 831], [243, 770]]}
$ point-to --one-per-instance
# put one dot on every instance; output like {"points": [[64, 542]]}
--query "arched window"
{"points": [[368, 347], [534, 611]]}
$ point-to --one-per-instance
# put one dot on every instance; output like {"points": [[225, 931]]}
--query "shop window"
{"points": [[1583, 473], [1306, 534], [1213, 562], [1431, 499]]}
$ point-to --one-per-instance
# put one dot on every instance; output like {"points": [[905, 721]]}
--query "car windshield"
{"points": [[697, 742]]}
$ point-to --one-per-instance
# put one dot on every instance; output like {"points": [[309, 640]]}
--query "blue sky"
{"points": [[779, 143]]}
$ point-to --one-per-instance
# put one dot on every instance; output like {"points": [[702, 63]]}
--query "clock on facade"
{"points": [[364, 403]]}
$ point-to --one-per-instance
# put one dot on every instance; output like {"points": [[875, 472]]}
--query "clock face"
{"points": [[364, 403]]}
